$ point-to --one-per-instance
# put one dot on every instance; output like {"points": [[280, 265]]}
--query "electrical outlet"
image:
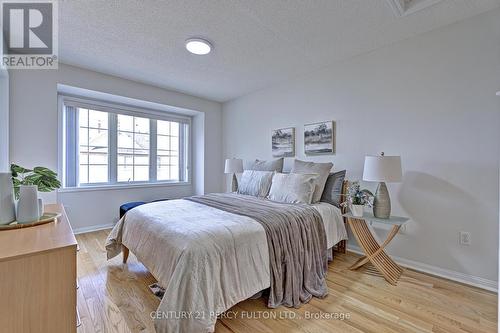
{"points": [[464, 238]]}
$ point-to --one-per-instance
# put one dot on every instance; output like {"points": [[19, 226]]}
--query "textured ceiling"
{"points": [[257, 42]]}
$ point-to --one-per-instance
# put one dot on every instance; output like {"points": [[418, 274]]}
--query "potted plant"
{"points": [[27, 183], [357, 199]]}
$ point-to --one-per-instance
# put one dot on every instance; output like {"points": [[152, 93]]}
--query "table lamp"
{"points": [[234, 166], [382, 169]]}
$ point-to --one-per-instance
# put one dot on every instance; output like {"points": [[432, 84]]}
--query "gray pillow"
{"points": [[274, 165], [322, 169], [292, 188], [256, 183], [333, 188]]}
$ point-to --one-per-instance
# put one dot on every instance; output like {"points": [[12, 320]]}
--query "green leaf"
{"points": [[368, 192], [45, 172], [44, 178], [33, 178], [43, 188], [17, 183], [18, 169], [48, 184]]}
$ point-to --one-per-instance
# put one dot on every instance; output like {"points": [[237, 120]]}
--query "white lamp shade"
{"points": [[382, 169], [233, 165]]}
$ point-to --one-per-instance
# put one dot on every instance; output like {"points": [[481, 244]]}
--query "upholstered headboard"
{"points": [[342, 245]]}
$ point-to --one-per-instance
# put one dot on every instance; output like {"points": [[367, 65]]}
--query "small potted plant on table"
{"points": [[357, 199], [27, 183]]}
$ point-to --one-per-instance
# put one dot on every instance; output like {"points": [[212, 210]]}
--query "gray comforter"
{"points": [[209, 259], [296, 240]]}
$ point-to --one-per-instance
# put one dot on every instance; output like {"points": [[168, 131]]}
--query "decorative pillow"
{"points": [[321, 169], [292, 187], [333, 188], [274, 165], [256, 183]]}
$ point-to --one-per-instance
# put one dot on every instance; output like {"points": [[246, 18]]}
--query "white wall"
{"points": [[4, 120], [33, 137], [430, 99], [4, 116]]}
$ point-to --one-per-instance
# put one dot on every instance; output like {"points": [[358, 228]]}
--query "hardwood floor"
{"points": [[115, 298]]}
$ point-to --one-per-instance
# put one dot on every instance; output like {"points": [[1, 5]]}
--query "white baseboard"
{"points": [[472, 280], [83, 230]]}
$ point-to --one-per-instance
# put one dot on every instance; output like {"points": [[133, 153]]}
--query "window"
{"points": [[93, 146], [133, 149], [167, 152], [106, 144]]}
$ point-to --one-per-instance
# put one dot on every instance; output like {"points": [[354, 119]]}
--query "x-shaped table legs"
{"points": [[374, 251]]}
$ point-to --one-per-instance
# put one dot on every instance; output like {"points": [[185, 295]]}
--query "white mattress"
{"points": [[333, 222]]}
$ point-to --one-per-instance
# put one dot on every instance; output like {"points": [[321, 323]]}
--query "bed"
{"points": [[209, 257]]}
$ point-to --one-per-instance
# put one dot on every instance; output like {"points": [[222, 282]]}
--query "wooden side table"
{"points": [[374, 251]]}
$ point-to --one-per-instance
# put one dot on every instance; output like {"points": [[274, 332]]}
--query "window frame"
{"points": [[113, 109]]}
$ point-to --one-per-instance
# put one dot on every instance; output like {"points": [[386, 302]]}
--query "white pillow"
{"points": [[292, 187], [274, 165], [321, 169], [256, 183]]}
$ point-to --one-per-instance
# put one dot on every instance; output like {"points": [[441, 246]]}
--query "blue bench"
{"points": [[129, 205]]}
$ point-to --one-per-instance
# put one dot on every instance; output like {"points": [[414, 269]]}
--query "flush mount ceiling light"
{"points": [[498, 93], [198, 46]]}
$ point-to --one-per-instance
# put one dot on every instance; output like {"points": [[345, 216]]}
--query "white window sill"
{"points": [[120, 186]]}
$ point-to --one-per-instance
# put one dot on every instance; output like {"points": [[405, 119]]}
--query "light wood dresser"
{"points": [[38, 277]]}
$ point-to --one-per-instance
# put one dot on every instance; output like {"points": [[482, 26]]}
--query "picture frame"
{"points": [[283, 142], [319, 138]]}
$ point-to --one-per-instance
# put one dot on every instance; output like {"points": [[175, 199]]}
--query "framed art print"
{"points": [[283, 142], [319, 138]]}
